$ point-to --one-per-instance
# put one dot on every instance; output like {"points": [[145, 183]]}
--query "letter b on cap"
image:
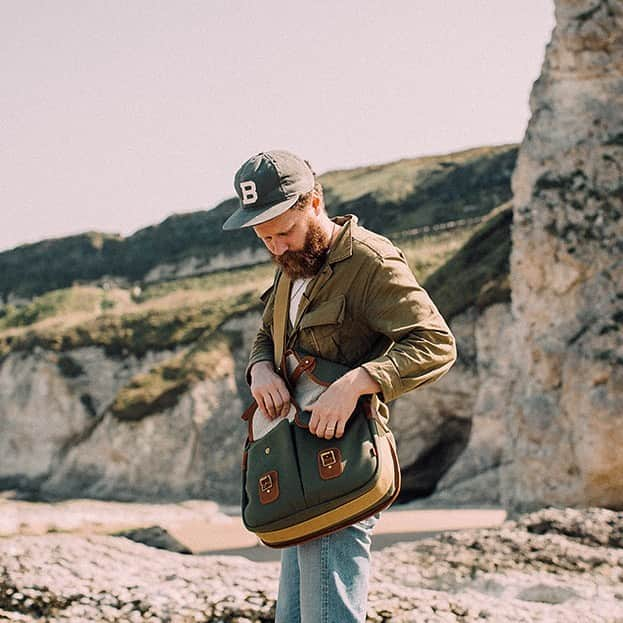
{"points": [[249, 193]]}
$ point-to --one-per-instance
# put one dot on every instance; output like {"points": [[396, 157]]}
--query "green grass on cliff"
{"points": [[459, 268], [478, 273], [161, 387], [410, 193], [218, 282], [387, 198], [426, 254], [161, 323], [74, 300]]}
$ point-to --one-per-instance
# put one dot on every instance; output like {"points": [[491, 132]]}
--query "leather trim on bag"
{"points": [[268, 486], [330, 464], [307, 364]]}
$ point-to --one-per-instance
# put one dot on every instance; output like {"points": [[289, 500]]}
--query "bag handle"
{"points": [[282, 296]]}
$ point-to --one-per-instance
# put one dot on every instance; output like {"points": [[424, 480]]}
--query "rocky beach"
{"points": [[121, 388], [552, 565]]}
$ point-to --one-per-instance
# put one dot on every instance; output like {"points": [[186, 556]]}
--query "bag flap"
{"points": [[314, 381], [329, 312]]}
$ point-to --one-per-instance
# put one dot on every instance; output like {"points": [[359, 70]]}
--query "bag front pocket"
{"points": [[353, 457], [272, 481]]}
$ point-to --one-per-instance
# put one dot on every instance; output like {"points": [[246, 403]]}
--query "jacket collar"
{"points": [[342, 249], [343, 246]]}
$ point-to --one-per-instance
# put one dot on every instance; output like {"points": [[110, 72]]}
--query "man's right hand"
{"points": [[269, 390]]}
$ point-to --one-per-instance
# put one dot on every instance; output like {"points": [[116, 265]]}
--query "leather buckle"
{"points": [[327, 458], [266, 483]]}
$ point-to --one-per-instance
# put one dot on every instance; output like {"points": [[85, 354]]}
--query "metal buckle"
{"points": [[327, 458], [266, 483]]}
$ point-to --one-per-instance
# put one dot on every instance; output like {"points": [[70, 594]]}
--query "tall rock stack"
{"points": [[564, 441]]}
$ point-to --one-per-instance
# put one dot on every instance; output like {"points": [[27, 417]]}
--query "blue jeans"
{"points": [[326, 580]]}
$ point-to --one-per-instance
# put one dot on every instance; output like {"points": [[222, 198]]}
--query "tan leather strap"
{"points": [[280, 317]]}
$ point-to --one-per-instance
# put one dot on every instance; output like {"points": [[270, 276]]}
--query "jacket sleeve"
{"points": [[423, 348], [262, 348]]}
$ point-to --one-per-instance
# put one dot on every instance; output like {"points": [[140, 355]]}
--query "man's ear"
{"points": [[316, 204]]}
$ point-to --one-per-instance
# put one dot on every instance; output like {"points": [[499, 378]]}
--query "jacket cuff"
{"points": [[385, 373]]}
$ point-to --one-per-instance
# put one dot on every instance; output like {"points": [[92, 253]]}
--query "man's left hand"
{"points": [[332, 410], [337, 403]]}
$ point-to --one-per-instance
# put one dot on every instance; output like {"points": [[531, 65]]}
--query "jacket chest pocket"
{"points": [[320, 325]]}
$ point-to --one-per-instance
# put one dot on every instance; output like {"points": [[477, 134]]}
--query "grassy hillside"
{"points": [[388, 198], [459, 268], [478, 273], [406, 194]]}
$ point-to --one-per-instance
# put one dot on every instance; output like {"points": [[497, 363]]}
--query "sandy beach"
{"points": [[394, 526], [205, 528]]}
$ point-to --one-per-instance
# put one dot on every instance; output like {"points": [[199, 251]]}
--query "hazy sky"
{"points": [[115, 114]]}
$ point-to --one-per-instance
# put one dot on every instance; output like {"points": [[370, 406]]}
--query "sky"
{"points": [[115, 114]]}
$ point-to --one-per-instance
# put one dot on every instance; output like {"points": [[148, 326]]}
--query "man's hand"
{"points": [[337, 403], [269, 390]]}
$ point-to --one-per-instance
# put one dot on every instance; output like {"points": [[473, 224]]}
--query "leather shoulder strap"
{"points": [[280, 318]]}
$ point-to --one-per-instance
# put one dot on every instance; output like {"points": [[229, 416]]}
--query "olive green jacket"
{"points": [[365, 307]]}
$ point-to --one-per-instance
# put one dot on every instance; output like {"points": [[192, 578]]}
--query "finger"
{"points": [[277, 403], [270, 406], [284, 398], [339, 429], [321, 427], [262, 405], [329, 431], [314, 420]]}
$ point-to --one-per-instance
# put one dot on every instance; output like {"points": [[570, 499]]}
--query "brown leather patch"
{"points": [[269, 487], [330, 463]]}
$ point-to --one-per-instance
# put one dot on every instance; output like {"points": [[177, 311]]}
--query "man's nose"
{"points": [[279, 247]]}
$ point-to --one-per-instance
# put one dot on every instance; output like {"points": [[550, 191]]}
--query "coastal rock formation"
{"points": [[564, 422], [61, 438], [554, 565], [469, 403], [192, 448]]}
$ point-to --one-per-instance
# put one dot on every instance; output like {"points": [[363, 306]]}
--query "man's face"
{"points": [[296, 241]]}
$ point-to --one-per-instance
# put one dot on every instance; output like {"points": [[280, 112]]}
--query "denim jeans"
{"points": [[326, 580]]}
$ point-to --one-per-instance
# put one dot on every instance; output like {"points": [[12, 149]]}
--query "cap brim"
{"points": [[249, 217]]}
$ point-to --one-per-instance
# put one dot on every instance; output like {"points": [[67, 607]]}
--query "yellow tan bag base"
{"points": [[379, 497]]}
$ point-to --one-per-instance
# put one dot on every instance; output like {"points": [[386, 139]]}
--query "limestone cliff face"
{"points": [[564, 422], [468, 406], [61, 440]]}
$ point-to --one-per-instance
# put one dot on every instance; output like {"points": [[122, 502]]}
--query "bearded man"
{"points": [[353, 300]]}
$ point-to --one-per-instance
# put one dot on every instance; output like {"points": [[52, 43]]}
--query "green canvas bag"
{"points": [[296, 486]]}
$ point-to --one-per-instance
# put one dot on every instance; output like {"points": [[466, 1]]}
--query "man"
{"points": [[353, 300]]}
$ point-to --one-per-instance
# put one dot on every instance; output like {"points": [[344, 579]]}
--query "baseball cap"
{"points": [[267, 185]]}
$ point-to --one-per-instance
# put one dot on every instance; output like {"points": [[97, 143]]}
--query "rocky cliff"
{"points": [[146, 405], [564, 433], [62, 438]]}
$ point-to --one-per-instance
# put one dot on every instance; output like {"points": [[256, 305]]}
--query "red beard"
{"points": [[308, 261]]}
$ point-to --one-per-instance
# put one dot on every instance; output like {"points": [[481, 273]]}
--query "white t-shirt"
{"points": [[296, 293]]}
